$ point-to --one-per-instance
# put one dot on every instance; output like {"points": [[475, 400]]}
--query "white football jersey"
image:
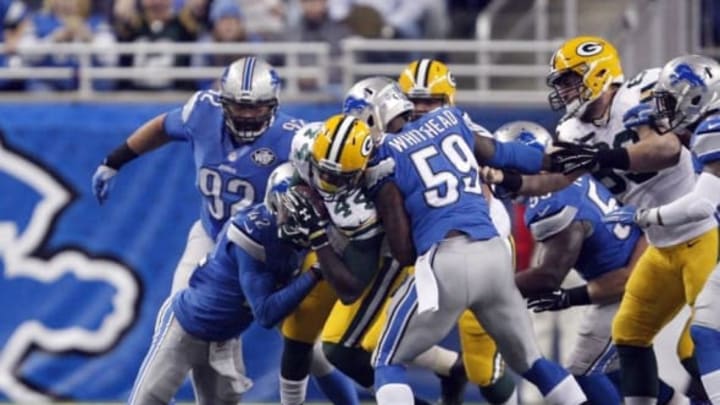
{"points": [[639, 189], [352, 213]]}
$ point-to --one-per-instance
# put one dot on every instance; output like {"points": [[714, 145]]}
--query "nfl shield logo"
{"points": [[263, 157]]}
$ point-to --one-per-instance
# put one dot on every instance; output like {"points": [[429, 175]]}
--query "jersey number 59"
{"points": [[458, 153]]}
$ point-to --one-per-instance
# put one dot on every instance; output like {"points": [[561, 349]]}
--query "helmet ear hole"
{"points": [[695, 100], [371, 121]]}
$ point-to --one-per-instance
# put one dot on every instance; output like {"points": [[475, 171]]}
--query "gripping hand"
{"points": [[572, 157]]}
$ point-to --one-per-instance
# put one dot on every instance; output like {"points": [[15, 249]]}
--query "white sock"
{"points": [[711, 382], [567, 392], [640, 401], [513, 400], [395, 394], [292, 392], [438, 359], [678, 399]]}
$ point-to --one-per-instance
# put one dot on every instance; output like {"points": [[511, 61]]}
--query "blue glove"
{"points": [[639, 115], [622, 215], [102, 181]]}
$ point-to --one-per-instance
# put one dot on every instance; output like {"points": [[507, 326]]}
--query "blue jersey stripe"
{"points": [[248, 70]]}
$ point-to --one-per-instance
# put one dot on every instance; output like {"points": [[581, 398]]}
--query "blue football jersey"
{"points": [[215, 307], [705, 143], [230, 176], [588, 200], [432, 163]]}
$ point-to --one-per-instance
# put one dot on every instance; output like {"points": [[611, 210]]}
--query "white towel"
{"points": [[425, 283], [222, 357]]}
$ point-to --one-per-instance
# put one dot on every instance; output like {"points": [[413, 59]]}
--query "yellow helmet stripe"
{"points": [[422, 71], [338, 140]]}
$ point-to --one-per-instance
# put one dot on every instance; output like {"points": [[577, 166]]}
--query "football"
{"points": [[313, 197]]}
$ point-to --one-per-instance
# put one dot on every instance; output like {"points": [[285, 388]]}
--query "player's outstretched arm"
{"points": [[699, 204], [149, 136], [269, 305], [390, 205], [528, 185], [654, 152], [510, 155]]}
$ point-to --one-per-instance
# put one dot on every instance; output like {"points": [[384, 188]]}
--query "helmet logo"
{"points": [[589, 48], [354, 104], [263, 157], [366, 146], [683, 72]]}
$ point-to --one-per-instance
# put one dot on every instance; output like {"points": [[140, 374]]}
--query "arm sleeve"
{"points": [[515, 155], [176, 120], [700, 203], [269, 305]]}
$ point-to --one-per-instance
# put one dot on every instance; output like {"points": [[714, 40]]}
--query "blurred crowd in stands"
{"points": [[105, 22]]}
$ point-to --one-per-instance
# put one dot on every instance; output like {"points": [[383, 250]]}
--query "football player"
{"points": [[640, 167], [569, 233], [425, 184], [238, 137], [687, 99], [429, 84], [350, 329], [236, 285]]}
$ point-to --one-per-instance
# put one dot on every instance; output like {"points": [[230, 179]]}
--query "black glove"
{"points": [[559, 299], [572, 157], [309, 216]]}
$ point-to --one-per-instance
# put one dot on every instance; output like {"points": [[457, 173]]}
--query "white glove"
{"points": [[102, 181]]}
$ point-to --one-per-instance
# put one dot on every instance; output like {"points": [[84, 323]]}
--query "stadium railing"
{"points": [[471, 60]]}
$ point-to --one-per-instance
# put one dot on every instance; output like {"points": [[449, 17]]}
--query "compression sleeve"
{"points": [[697, 205], [270, 306], [518, 156]]}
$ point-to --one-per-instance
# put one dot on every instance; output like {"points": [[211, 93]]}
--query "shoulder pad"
{"points": [[573, 130], [247, 230], [475, 127], [288, 123], [201, 99]]}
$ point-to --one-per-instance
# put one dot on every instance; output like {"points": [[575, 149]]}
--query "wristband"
{"points": [[117, 158], [511, 181], [579, 296], [617, 158]]}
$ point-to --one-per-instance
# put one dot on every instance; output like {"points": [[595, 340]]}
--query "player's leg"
{"points": [[483, 362], [219, 376], [408, 334], [348, 326], [642, 313], [594, 355], [706, 335], [165, 365], [500, 308], [198, 245], [300, 330]]}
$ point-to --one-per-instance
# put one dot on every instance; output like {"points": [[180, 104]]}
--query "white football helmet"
{"points": [[376, 101], [249, 90], [526, 132], [688, 87], [280, 181]]}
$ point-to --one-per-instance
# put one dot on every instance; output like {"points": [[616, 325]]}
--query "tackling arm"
{"points": [[270, 305], [390, 206], [610, 286]]}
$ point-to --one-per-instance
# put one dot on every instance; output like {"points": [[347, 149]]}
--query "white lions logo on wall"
{"points": [[263, 157]]}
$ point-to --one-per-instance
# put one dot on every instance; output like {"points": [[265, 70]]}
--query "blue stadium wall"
{"points": [[82, 282]]}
